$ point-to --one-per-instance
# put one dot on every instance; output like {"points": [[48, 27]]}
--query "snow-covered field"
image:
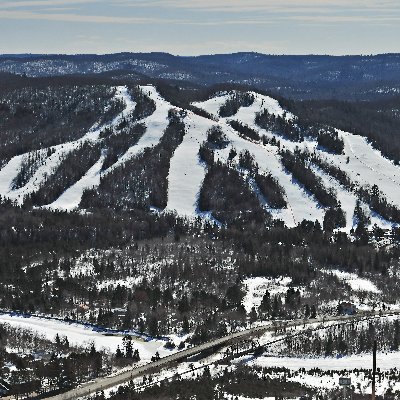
{"points": [[83, 336], [337, 367], [385, 361], [356, 283]]}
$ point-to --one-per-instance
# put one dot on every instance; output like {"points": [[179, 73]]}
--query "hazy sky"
{"points": [[189, 27]]}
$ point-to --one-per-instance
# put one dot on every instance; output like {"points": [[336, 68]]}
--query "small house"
{"points": [[346, 308]]}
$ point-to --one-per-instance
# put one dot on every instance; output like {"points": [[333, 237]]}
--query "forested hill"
{"points": [[134, 207], [91, 143], [311, 76]]}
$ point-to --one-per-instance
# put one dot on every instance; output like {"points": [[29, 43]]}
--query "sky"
{"points": [[192, 27]]}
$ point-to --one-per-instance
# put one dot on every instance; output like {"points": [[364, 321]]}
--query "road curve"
{"points": [[124, 377]]}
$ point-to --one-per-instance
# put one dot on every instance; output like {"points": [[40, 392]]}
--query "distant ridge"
{"points": [[297, 76]]}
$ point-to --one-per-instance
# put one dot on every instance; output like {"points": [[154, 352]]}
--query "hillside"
{"points": [[301, 77], [289, 171], [140, 218]]}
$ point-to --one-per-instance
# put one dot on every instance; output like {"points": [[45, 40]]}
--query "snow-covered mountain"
{"points": [[357, 179]]}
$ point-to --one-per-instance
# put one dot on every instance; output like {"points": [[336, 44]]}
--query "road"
{"points": [[124, 377]]}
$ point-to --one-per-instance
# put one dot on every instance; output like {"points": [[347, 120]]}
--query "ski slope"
{"points": [[363, 164], [155, 126], [213, 104], [301, 205], [187, 172], [367, 166], [71, 198], [59, 152]]}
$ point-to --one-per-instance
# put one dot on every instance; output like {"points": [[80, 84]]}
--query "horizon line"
{"points": [[27, 54]]}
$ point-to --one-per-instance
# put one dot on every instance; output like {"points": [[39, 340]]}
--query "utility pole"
{"points": [[373, 371]]}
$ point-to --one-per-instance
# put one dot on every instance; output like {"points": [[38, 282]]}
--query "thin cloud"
{"points": [[101, 19], [263, 5], [106, 19], [343, 18], [43, 3]]}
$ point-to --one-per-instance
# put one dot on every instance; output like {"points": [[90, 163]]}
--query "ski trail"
{"points": [[59, 152], [71, 198], [155, 127], [187, 172]]}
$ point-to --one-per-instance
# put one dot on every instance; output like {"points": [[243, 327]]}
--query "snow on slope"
{"points": [[11, 169], [356, 283], [301, 204], [348, 202], [213, 105], [261, 102], [346, 198], [187, 172], [80, 335], [155, 126], [71, 198], [366, 166]]}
